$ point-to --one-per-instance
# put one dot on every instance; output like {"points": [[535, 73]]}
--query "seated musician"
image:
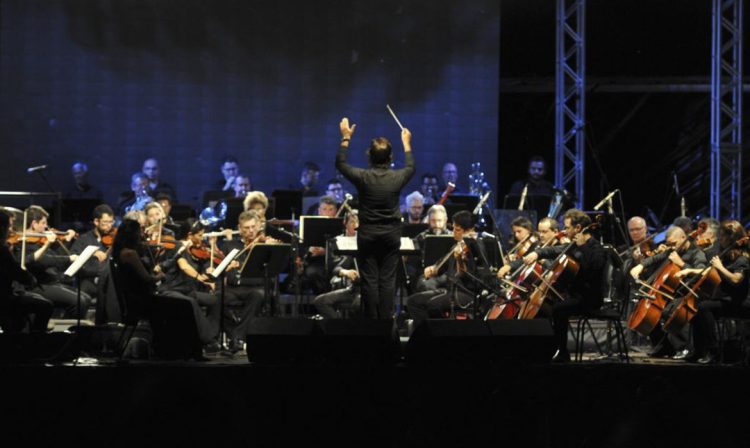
{"points": [[241, 186], [166, 205], [458, 289], [414, 213], [189, 275], [429, 189], [437, 219], [16, 305], [139, 285], [242, 291], [137, 197], [730, 299], [685, 255], [547, 230], [230, 169], [535, 183], [258, 201], [585, 292], [104, 218], [345, 293], [709, 241], [155, 220], [47, 257], [311, 267]]}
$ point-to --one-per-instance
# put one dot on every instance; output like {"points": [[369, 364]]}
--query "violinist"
{"points": [[46, 259], [523, 240], [344, 294], [467, 256], [585, 292], [685, 255], [247, 293], [18, 306], [641, 246], [102, 236], [730, 299]]}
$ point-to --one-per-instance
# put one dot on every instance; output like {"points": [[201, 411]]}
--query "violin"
{"points": [[167, 242], [33, 237], [108, 239], [203, 253]]}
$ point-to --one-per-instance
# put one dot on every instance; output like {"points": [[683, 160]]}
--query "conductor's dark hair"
{"points": [[380, 152], [464, 219]]}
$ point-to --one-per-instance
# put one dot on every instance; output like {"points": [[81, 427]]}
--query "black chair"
{"points": [[129, 318], [611, 312], [725, 325]]}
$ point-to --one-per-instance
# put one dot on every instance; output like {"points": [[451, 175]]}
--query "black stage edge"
{"points": [[185, 403]]}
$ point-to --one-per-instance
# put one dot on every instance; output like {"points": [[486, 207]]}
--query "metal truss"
{"points": [[570, 92], [726, 110]]}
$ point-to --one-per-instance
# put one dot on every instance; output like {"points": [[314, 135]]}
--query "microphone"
{"points": [[606, 199], [481, 203], [523, 196], [36, 168]]}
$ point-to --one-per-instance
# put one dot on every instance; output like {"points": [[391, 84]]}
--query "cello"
{"points": [[703, 285], [562, 271], [657, 293]]}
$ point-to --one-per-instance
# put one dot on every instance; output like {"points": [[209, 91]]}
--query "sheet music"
{"points": [[224, 263], [346, 242], [80, 260], [407, 244]]}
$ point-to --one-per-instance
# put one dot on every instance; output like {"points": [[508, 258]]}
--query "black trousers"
{"points": [[434, 303], [250, 300], [329, 303], [23, 307], [378, 259], [63, 296], [562, 310], [705, 338]]}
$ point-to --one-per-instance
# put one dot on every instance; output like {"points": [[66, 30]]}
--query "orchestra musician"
{"points": [[155, 185], [101, 236], [137, 197], [429, 189], [138, 284], [586, 290], [547, 230], [414, 208], [535, 183], [344, 294], [437, 219], [457, 288], [17, 306], [379, 235], [685, 255], [46, 258], [730, 298], [247, 293], [230, 169]]}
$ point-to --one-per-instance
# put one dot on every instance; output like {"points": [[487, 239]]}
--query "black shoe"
{"points": [[682, 355], [709, 358], [561, 357], [662, 351], [212, 348], [693, 357]]}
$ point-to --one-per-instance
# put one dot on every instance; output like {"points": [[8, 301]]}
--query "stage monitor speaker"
{"points": [[276, 340], [480, 342], [358, 341]]}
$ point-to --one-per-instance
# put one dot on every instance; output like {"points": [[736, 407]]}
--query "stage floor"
{"points": [[229, 401]]}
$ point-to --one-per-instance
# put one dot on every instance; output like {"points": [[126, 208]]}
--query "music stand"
{"points": [[74, 271], [435, 248], [288, 203], [263, 261], [220, 271], [412, 230], [316, 230]]}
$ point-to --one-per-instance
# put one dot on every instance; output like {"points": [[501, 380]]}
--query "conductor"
{"points": [[379, 235]]}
